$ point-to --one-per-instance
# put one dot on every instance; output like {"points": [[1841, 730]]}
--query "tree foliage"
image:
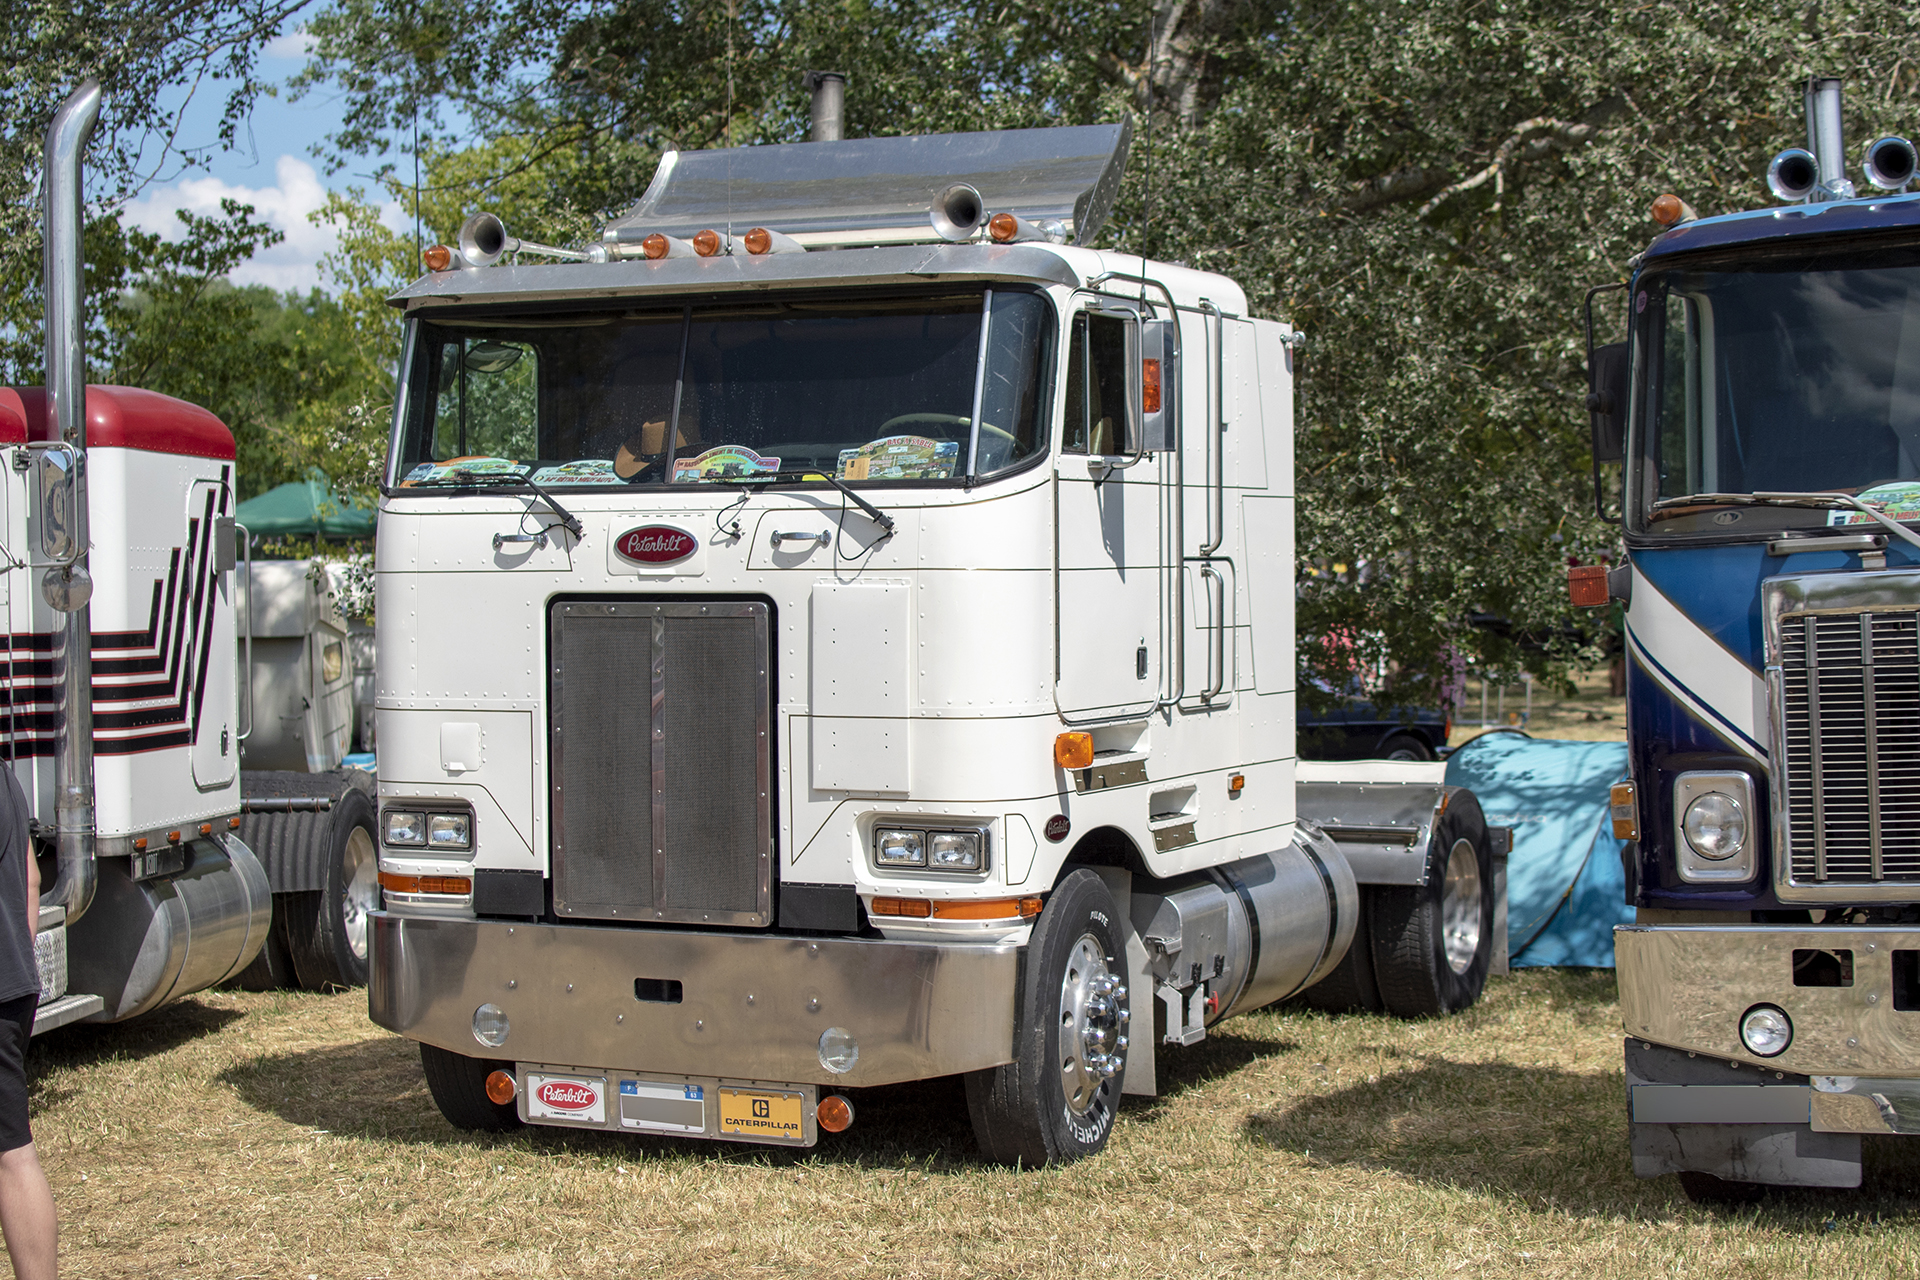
{"points": [[1427, 189]]}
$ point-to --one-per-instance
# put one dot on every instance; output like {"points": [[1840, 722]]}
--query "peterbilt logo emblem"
{"points": [[568, 1097], [1057, 827], [656, 544]]}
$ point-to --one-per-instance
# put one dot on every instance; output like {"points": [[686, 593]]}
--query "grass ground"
{"points": [[283, 1135], [1592, 714]]}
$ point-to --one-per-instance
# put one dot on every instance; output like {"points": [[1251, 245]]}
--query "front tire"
{"points": [[1433, 943], [327, 932], [459, 1088], [1056, 1101]]}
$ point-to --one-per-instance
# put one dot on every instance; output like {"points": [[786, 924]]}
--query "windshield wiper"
{"points": [[1830, 501], [792, 474], [485, 479]]}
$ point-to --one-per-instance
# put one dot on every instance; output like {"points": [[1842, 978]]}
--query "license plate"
{"points": [[761, 1114]]}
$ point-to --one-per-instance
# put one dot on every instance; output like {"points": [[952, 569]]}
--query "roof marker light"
{"points": [[1010, 228], [761, 241], [438, 258], [1670, 210], [709, 243], [657, 246]]}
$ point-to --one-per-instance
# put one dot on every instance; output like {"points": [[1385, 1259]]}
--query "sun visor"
{"points": [[869, 191]]}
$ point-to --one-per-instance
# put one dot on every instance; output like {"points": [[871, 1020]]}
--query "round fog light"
{"points": [[490, 1025], [838, 1050], [1766, 1031]]}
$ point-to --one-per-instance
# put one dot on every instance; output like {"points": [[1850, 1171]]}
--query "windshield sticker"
{"points": [[434, 472], [723, 462], [901, 458], [1897, 501], [584, 471]]}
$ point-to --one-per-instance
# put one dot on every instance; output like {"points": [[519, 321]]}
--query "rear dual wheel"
{"points": [[1056, 1101], [328, 931]]}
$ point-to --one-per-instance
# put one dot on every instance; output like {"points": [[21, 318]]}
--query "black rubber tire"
{"points": [[1706, 1189], [459, 1088], [1020, 1112], [327, 930], [1408, 928], [1351, 986], [1406, 746]]}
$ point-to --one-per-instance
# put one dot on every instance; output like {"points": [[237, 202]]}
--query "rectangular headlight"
{"points": [[954, 851], [406, 828], [893, 847], [449, 831]]}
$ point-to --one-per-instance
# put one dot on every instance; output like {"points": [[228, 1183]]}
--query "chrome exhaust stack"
{"points": [[68, 588], [829, 90], [1826, 138]]}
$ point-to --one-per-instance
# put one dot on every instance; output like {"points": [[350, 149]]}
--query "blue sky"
{"points": [[273, 168]]}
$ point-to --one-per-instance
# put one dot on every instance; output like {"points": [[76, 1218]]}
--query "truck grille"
{"points": [[660, 761], [1850, 684]]}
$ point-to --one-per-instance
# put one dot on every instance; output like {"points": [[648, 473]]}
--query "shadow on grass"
{"points": [[374, 1089], [86, 1044], [1551, 1139]]}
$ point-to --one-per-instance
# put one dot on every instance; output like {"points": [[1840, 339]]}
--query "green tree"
{"points": [[1425, 188]]}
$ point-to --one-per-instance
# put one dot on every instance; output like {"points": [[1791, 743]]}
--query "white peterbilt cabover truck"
{"points": [[124, 715], [837, 632]]}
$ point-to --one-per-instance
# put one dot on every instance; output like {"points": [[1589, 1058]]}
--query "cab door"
{"points": [[1108, 547]]}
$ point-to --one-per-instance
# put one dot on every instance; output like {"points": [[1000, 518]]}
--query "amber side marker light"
{"points": [[437, 258], [501, 1089], [1587, 585], [395, 883], [834, 1113], [1150, 385], [1236, 784], [1073, 751]]}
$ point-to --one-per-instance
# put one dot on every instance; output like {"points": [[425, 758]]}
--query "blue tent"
{"points": [[1566, 887]]}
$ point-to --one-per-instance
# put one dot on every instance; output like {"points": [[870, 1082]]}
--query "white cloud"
{"points": [[296, 192], [294, 44]]}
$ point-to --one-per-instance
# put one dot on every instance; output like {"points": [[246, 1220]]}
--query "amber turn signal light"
{"points": [[438, 258], [913, 908], [1073, 751], [1236, 784], [959, 908], [707, 243], [501, 1089], [834, 1113], [1587, 585], [394, 883], [1150, 385], [1624, 805]]}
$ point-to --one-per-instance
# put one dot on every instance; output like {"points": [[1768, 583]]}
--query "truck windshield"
{"points": [[1796, 372], [875, 389]]}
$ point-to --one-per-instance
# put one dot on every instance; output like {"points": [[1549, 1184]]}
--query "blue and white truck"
{"points": [[1766, 409]]}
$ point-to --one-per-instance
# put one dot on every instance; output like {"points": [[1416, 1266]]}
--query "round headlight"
{"points": [[490, 1025], [838, 1050], [1715, 826], [1766, 1031]]}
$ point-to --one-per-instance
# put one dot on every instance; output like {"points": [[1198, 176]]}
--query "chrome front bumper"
{"points": [[752, 1006], [1686, 986]]}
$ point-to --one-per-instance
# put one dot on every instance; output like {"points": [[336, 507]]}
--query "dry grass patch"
{"points": [[284, 1135]]}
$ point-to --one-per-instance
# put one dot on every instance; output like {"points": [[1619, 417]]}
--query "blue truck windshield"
{"points": [[1792, 372], [879, 390]]}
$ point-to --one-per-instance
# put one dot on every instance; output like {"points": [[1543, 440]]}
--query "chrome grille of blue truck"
{"points": [[660, 761], [1850, 712]]}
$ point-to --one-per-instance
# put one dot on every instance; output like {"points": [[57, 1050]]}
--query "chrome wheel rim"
{"points": [[362, 897], [1460, 907], [1093, 1016]]}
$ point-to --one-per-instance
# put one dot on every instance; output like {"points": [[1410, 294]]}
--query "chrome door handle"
{"points": [[502, 539], [819, 539]]}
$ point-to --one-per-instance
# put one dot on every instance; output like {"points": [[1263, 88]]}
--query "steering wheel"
{"points": [[926, 421]]}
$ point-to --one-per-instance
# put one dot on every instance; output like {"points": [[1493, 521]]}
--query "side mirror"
{"points": [[1607, 401], [62, 518]]}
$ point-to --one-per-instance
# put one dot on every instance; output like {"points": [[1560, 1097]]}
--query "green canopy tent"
{"points": [[307, 508]]}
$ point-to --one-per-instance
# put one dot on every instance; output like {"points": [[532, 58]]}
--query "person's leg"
{"points": [[26, 1201], [26, 1214]]}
